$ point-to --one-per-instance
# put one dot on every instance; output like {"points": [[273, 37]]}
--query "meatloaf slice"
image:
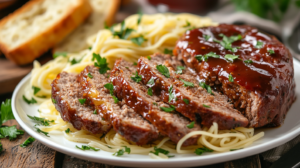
{"points": [[191, 100], [253, 69], [127, 87], [66, 92], [124, 119]]}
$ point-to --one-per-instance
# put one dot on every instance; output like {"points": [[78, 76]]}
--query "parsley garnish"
{"points": [[53, 100], [191, 125], [188, 24], [171, 94], [123, 33], [163, 70], [186, 101], [102, 136], [168, 51], [127, 149], [101, 63], [206, 56], [206, 37], [204, 105], [235, 149], [168, 109], [140, 17], [160, 150], [271, 51], [116, 100], [74, 61], [121, 151], [207, 87], [86, 147], [42, 121], [95, 111], [35, 89], [149, 58], [1, 148], [110, 87], [259, 45], [137, 78], [90, 48], [82, 101], [150, 82], [248, 61], [27, 142], [6, 112], [12, 132], [57, 54], [135, 64], [90, 75], [199, 151], [154, 103], [67, 130], [150, 93], [230, 78], [179, 69], [32, 101], [227, 41], [43, 132], [231, 57], [138, 40], [186, 83]]}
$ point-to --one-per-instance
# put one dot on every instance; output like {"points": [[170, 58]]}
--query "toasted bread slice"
{"points": [[103, 11], [38, 25]]}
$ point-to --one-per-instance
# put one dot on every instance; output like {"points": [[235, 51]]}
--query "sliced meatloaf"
{"points": [[189, 98], [253, 69], [66, 92], [127, 86], [124, 119]]}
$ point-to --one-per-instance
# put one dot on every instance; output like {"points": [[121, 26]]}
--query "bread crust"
{"points": [[110, 18], [28, 51]]}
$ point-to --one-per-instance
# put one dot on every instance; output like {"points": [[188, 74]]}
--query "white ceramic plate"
{"points": [[273, 138]]}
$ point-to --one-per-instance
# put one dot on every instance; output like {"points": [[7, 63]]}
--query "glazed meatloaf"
{"points": [[182, 90], [98, 91], [253, 69], [66, 92], [128, 86]]}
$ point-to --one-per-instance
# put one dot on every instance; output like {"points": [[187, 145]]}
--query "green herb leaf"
{"points": [[35, 89], [188, 24], [1, 148], [101, 63], [150, 83], [179, 69], [12, 132], [110, 87], [140, 17], [199, 151], [135, 64], [186, 101], [127, 149], [90, 48], [160, 150], [138, 40], [57, 54], [191, 125], [206, 37], [227, 41], [27, 142], [207, 87], [115, 99], [150, 92], [149, 58], [32, 101], [231, 57], [186, 83], [121, 151], [53, 100], [204, 105], [67, 130], [206, 56], [123, 33], [235, 149], [168, 51], [95, 112], [154, 103], [163, 70], [171, 94], [230, 78], [42, 132], [137, 78], [82, 101], [102, 136], [271, 51], [6, 112], [90, 75], [42, 121], [259, 45], [74, 61], [168, 109], [86, 147], [248, 61]]}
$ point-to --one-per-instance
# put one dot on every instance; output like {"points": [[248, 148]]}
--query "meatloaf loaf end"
{"points": [[253, 69], [127, 86], [124, 119], [183, 91], [66, 92]]}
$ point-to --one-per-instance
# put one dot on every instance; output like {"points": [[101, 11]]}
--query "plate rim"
{"points": [[177, 162]]}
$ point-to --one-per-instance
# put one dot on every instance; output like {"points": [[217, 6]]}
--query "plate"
{"points": [[273, 138]]}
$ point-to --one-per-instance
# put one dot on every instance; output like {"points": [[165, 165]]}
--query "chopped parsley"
{"points": [[199, 151], [27, 142], [121, 151], [138, 40], [102, 136], [123, 33], [6, 112], [35, 89], [90, 75], [207, 87], [188, 24], [110, 87], [95, 112], [100, 63], [179, 69], [135, 64], [42, 121], [149, 58], [168, 51], [163, 70], [32, 101], [1, 148], [86, 147], [57, 54], [230, 78], [204, 105], [53, 100], [42, 132], [168, 109], [67, 130], [231, 57], [248, 61], [206, 37], [171, 94], [116, 100], [206, 56], [82, 101], [154, 103], [186, 101], [137, 78], [259, 45], [235, 149], [227, 41], [186, 83], [140, 17], [271, 51], [191, 125], [150, 82], [150, 93], [160, 150], [12, 132], [74, 61], [91, 47]]}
